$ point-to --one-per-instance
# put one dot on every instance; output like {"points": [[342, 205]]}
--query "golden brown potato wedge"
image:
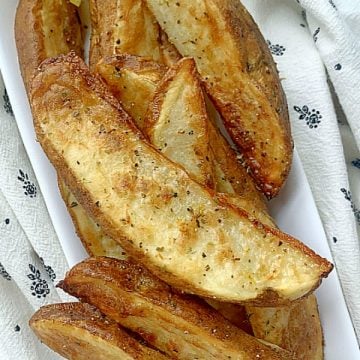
{"points": [[233, 179], [177, 228], [45, 28], [123, 27], [296, 327], [95, 241], [239, 75], [237, 180], [80, 332], [132, 80], [127, 75], [177, 122], [181, 326]]}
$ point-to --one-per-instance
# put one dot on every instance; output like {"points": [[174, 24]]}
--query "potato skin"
{"points": [[177, 122], [79, 331], [296, 327], [43, 29], [144, 225], [182, 326], [134, 80], [127, 27], [118, 27], [240, 77]]}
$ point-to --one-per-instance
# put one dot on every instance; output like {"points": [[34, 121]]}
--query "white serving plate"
{"points": [[294, 209]]}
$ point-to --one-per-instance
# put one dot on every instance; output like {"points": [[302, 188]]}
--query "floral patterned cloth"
{"points": [[31, 258], [316, 45]]}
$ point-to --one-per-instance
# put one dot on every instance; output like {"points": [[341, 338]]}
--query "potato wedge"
{"points": [[128, 27], [180, 230], [45, 28], [80, 332], [239, 75], [236, 180], [123, 27], [181, 326], [233, 179], [132, 80], [177, 122], [95, 241], [296, 327]]}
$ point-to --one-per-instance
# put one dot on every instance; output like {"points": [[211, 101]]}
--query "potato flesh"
{"points": [[92, 236], [214, 34], [178, 123], [134, 85], [152, 206]]}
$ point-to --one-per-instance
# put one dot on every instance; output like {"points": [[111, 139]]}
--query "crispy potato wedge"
{"points": [[177, 122], [239, 75], [181, 326], [296, 327], [128, 27], [123, 27], [45, 28], [95, 241], [80, 332], [132, 80], [177, 228]]}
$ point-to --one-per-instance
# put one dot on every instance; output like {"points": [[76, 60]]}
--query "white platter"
{"points": [[294, 210]]}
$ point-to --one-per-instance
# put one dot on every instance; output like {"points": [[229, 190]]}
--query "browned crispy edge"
{"points": [[88, 318], [249, 38], [77, 66], [133, 278], [29, 36], [64, 194], [302, 334], [154, 110], [225, 156], [95, 48], [252, 41], [103, 15]]}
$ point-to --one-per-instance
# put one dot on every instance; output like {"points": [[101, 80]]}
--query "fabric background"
{"points": [[316, 45]]}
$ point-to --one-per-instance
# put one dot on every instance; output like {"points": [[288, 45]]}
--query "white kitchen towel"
{"points": [[316, 46], [31, 258]]}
